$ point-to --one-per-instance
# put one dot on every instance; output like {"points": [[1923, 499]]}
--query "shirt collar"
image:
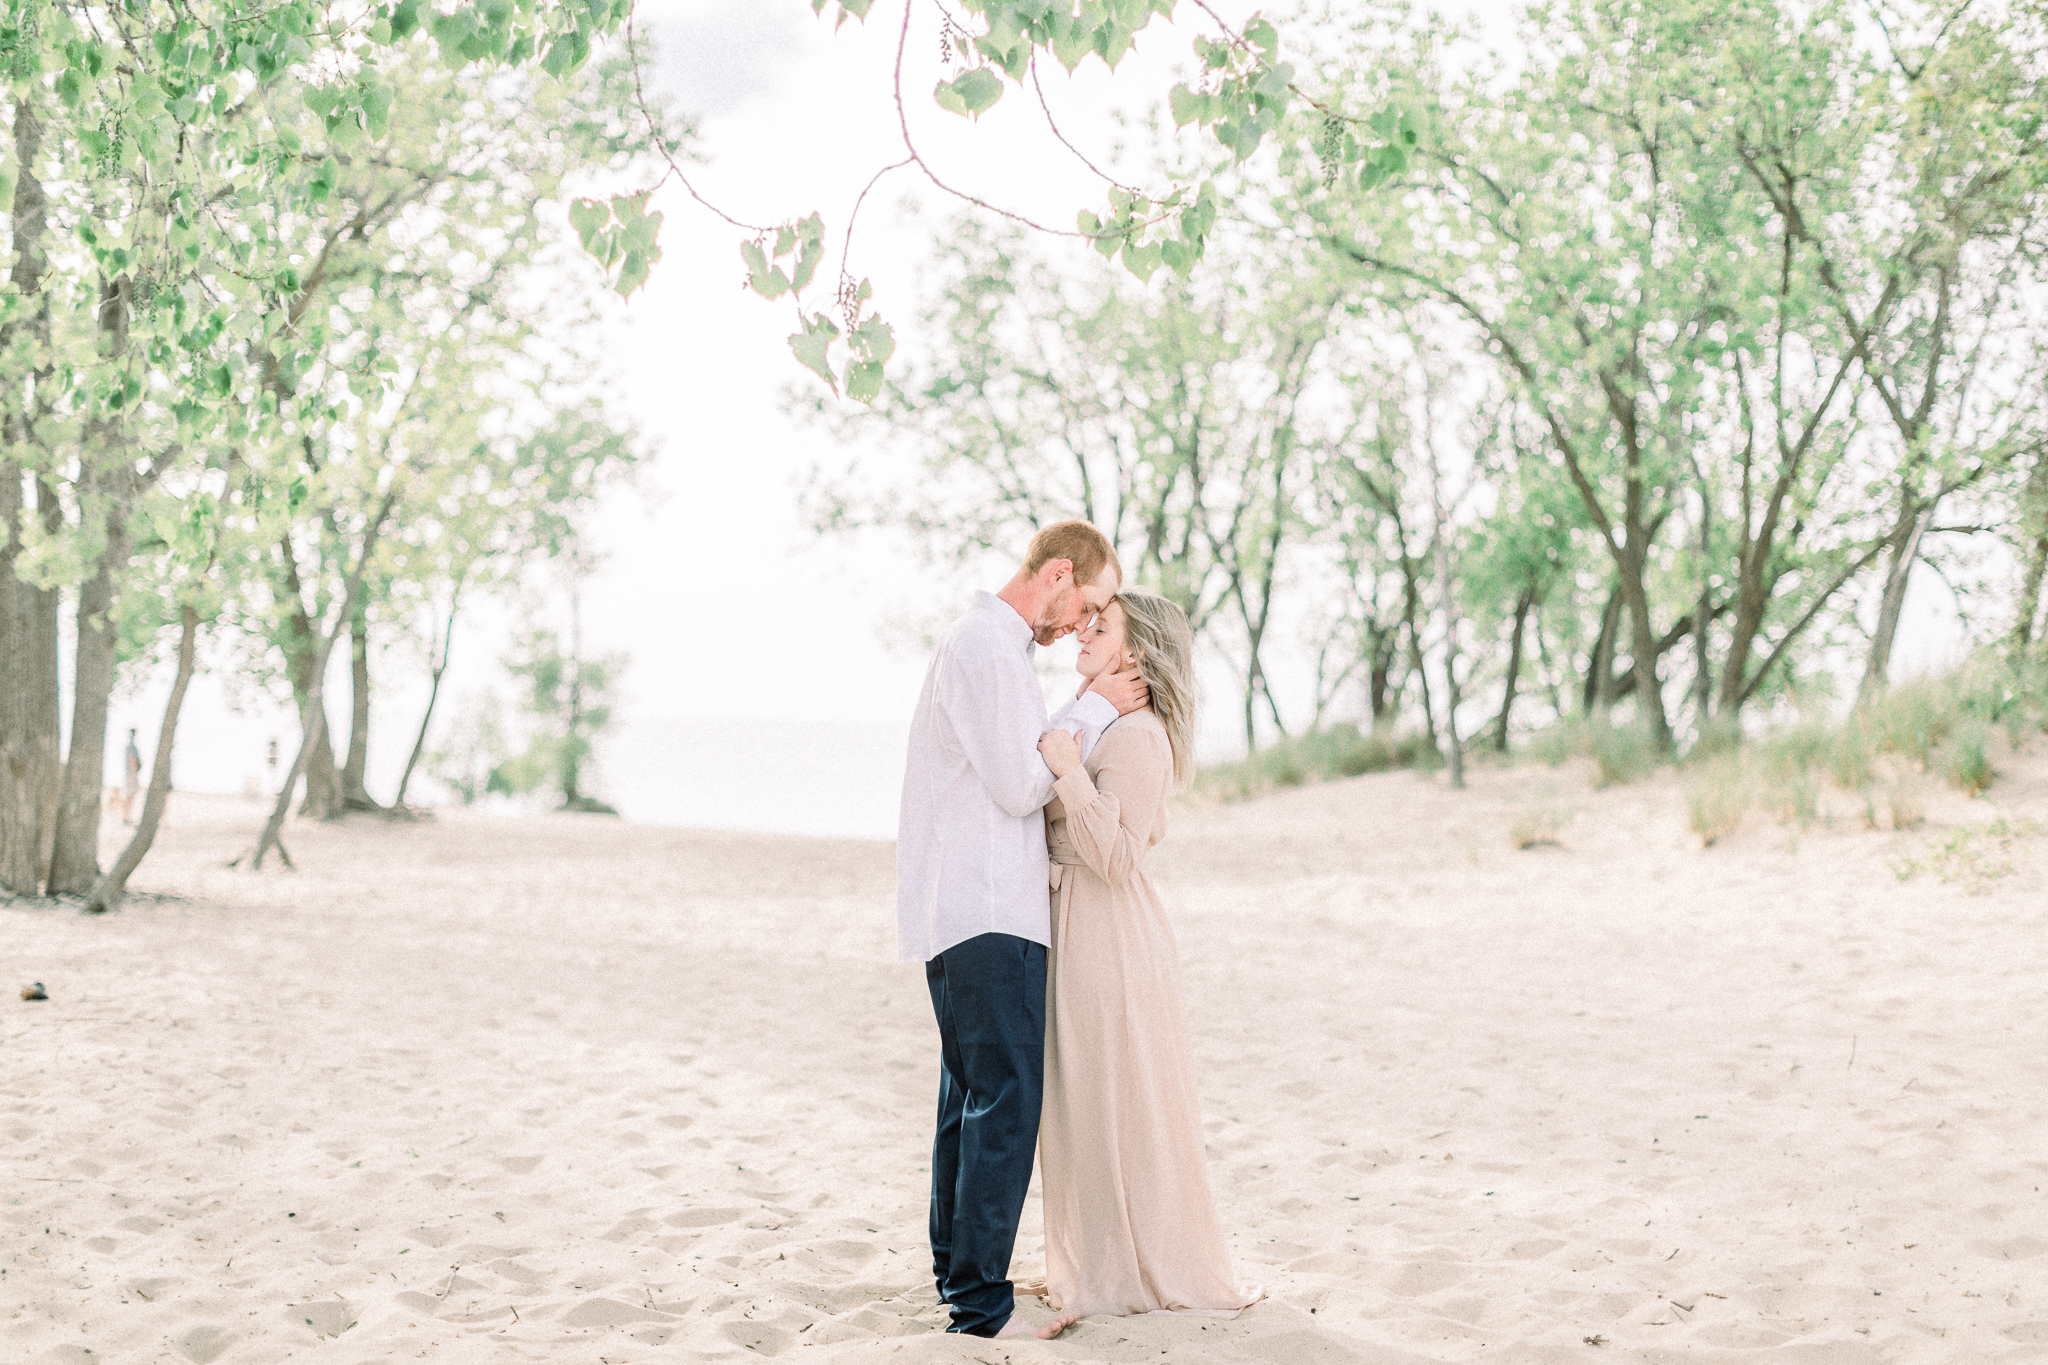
{"points": [[1012, 623]]}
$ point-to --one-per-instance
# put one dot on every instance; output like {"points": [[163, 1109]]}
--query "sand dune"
{"points": [[567, 1090]]}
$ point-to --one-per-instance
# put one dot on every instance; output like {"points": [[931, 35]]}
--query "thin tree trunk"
{"points": [[573, 752], [439, 667], [75, 861], [1905, 550], [1411, 607], [323, 779], [1643, 646], [1599, 690], [1381, 646], [315, 709], [75, 858], [48, 698], [109, 890], [1703, 662], [1448, 587], [2034, 520], [28, 738], [1507, 698], [2030, 593], [354, 796]]}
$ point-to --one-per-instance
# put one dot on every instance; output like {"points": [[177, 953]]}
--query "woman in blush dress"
{"points": [[1130, 1224]]}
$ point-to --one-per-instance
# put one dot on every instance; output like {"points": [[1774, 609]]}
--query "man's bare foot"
{"points": [[1058, 1325], [1013, 1328]]}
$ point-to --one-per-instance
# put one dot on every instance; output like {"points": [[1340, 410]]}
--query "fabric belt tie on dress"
{"points": [[1059, 858]]}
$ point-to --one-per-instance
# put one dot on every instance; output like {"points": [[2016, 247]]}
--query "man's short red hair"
{"points": [[1078, 541]]}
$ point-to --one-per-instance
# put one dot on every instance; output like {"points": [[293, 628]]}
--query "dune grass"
{"points": [[1319, 756], [1885, 753]]}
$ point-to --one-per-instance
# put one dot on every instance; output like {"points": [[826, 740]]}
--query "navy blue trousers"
{"points": [[989, 996]]}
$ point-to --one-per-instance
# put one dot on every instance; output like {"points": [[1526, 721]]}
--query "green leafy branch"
{"points": [[1242, 97], [621, 234]]}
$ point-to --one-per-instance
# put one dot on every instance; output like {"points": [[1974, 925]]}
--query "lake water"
{"points": [[786, 777]]}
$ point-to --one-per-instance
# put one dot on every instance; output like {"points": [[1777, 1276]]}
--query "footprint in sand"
{"points": [[1425, 1277], [602, 1313], [327, 1317], [520, 1165], [204, 1344], [2010, 1248], [703, 1218]]}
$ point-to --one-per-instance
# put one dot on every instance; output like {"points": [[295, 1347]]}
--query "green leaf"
{"points": [[807, 263], [633, 271], [1112, 41], [1187, 106], [874, 339], [813, 346], [588, 217], [972, 92], [1072, 39], [1142, 261], [863, 380], [766, 280]]}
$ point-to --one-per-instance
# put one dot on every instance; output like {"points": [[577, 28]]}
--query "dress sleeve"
{"points": [[1110, 817]]}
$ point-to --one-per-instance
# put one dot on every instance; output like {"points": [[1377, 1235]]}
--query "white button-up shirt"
{"points": [[970, 844]]}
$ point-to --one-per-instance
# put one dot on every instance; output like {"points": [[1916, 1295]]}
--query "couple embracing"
{"points": [[1051, 965]]}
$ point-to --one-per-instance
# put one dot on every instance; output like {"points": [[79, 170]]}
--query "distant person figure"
{"points": [[131, 780], [1130, 1223], [971, 898]]}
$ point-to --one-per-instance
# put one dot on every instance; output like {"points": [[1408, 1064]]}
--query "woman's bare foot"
{"points": [[1015, 1327], [1058, 1325]]}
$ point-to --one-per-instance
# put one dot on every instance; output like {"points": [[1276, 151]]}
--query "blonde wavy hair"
{"points": [[1156, 631]]}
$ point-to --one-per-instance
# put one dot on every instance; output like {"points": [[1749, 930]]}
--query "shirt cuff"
{"points": [[1093, 711]]}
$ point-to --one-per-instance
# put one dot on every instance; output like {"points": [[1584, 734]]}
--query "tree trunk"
{"points": [[2034, 521], [107, 893], [438, 667], [315, 708], [1382, 647], [1599, 691], [1904, 544], [572, 765], [2030, 593], [1447, 585], [75, 860], [29, 738], [1703, 615], [1643, 645], [28, 734], [354, 796], [1507, 699], [302, 648], [1411, 607]]}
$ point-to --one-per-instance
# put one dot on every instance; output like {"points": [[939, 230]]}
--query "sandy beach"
{"points": [[571, 1090]]}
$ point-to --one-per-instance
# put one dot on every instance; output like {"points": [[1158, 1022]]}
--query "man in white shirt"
{"points": [[971, 898]]}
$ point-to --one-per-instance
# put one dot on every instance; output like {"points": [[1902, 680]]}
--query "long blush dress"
{"points": [[1130, 1224]]}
